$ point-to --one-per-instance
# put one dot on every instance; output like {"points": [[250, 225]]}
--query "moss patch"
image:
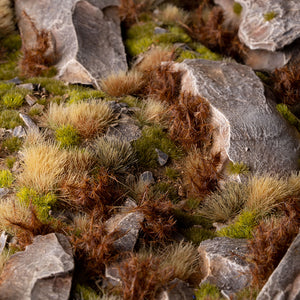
{"points": [[208, 291], [6, 179], [198, 234], [236, 168], [237, 8], [288, 115], [270, 15], [67, 136], [12, 144], [10, 119]]}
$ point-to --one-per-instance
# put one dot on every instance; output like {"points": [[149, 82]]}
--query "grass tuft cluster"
{"points": [[6, 178], [67, 136]]}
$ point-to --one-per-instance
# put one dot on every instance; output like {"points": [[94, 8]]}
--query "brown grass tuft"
{"points": [[123, 83], [201, 172], [39, 58], [190, 121], [272, 240], [171, 14]]}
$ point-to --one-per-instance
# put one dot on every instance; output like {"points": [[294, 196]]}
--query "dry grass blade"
{"points": [[173, 15], [155, 112]]}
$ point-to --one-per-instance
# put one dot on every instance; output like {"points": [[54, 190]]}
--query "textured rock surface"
{"points": [[3, 240], [128, 226], [176, 290], [223, 264], [247, 127], [284, 283], [31, 126], [43, 271], [258, 33], [84, 35]]}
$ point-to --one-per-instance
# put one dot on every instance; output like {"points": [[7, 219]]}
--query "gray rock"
{"points": [[284, 283], [160, 30], [223, 265], [31, 100], [126, 129], [3, 192], [19, 132], [258, 33], [84, 36], [15, 80], [26, 86], [3, 240], [176, 290], [29, 123], [128, 226], [247, 127], [112, 275], [43, 271], [147, 177], [162, 157]]}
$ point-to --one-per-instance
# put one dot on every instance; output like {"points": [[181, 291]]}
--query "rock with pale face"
{"points": [[84, 36]]}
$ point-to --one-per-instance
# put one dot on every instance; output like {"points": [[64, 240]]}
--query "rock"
{"points": [[126, 129], [269, 25], [3, 192], [31, 100], [112, 275], [162, 157], [128, 226], [3, 240], [284, 283], [223, 265], [176, 290], [247, 127], [160, 30], [43, 271], [147, 177], [29, 123], [26, 86], [19, 132], [15, 80], [84, 36]]}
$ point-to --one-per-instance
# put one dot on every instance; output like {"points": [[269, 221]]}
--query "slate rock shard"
{"points": [[269, 25], [84, 36], [247, 127], [42, 272]]}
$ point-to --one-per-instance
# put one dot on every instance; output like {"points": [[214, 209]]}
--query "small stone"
{"points": [[161, 157], [38, 106], [3, 240], [15, 80], [29, 123], [147, 177], [160, 30], [3, 192], [26, 86], [176, 290], [19, 132], [112, 275], [31, 100]]}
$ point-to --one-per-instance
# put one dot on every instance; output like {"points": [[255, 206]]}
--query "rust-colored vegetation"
{"points": [[40, 58], [272, 240]]}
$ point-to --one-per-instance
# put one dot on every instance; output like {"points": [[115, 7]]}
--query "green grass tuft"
{"points": [[186, 54], [6, 179], [10, 119], [186, 220], [197, 234], [165, 188], [208, 291], [237, 8], [176, 35], [154, 137], [81, 93], [5, 87], [236, 168], [13, 99], [41, 202], [243, 226], [9, 161], [288, 115], [67, 136], [171, 173], [270, 15], [53, 86], [12, 144]]}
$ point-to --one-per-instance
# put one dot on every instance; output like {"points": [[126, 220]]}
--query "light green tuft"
{"points": [[288, 115], [208, 291], [10, 119], [237, 8], [67, 136], [270, 16], [13, 99], [237, 168], [12, 144], [6, 179]]}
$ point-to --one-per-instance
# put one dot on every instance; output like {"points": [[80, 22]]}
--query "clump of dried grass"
{"points": [[123, 83], [155, 112], [7, 24], [88, 118], [171, 14]]}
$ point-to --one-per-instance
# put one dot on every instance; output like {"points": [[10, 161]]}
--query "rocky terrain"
{"points": [[149, 149]]}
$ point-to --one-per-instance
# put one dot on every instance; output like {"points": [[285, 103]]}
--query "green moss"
{"points": [[186, 54], [67, 136], [154, 137], [197, 234], [87, 293], [13, 99], [175, 35], [5, 87], [166, 188], [10, 119], [42, 203], [12, 144], [208, 291], [236, 168], [12, 42], [205, 53], [135, 47], [270, 15], [53, 86], [264, 77], [237, 8], [132, 101], [9, 69], [171, 173], [193, 203], [243, 226], [6, 179], [49, 72], [249, 293], [78, 93], [9, 161], [140, 30], [186, 220], [35, 111], [288, 115]]}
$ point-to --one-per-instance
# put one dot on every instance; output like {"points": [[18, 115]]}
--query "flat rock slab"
{"points": [[284, 283], [223, 264], [42, 272], [85, 36], [282, 28], [247, 127]]}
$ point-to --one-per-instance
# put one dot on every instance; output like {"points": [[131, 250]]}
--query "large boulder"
{"points": [[84, 36], [284, 283], [224, 264], [247, 127], [269, 25], [42, 272]]}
